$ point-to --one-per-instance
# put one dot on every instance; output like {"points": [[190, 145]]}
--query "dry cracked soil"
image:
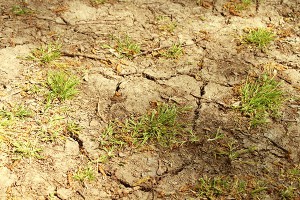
{"points": [[227, 159]]}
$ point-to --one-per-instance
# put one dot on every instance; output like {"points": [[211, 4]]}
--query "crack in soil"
{"points": [[149, 77], [80, 143], [286, 152], [199, 105], [257, 5]]}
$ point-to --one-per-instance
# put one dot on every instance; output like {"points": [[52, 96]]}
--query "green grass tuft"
{"points": [[62, 85], [27, 150], [19, 112], [243, 5], [160, 125], [73, 128], [126, 46], [165, 23], [261, 98], [46, 53], [260, 37], [21, 10], [86, 174], [174, 52], [288, 192]]}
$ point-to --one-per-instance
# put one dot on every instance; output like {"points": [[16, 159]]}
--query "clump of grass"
{"points": [[174, 52], [294, 172], [222, 187], [247, 2], [85, 174], [161, 125], [62, 85], [231, 150], [236, 6], [288, 192], [19, 111], [20, 10], [243, 5], [127, 46], [165, 23], [73, 128], [22, 112], [260, 37], [218, 187], [261, 98], [211, 187], [5, 122], [46, 53], [259, 188], [110, 137], [6, 114], [27, 150]]}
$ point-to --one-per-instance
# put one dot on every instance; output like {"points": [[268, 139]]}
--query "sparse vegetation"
{"points": [[161, 125], [231, 150], [85, 174], [235, 7], [244, 4], [174, 52], [218, 187], [46, 53], [18, 111], [127, 46], [217, 136], [222, 187], [20, 10], [110, 137], [260, 37], [62, 85], [259, 188], [73, 128], [165, 23], [288, 192], [211, 188], [261, 98], [27, 149]]}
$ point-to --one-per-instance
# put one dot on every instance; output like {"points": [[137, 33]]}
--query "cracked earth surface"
{"points": [[206, 77]]}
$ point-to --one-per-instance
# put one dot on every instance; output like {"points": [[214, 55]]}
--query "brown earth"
{"points": [[206, 77]]}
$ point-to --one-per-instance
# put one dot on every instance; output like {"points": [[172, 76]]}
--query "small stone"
{"points": [[236, 104], [122, 155], [64, 193], [72, 147]]}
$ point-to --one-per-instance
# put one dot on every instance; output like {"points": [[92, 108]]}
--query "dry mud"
{"points": [[206, 77]]}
